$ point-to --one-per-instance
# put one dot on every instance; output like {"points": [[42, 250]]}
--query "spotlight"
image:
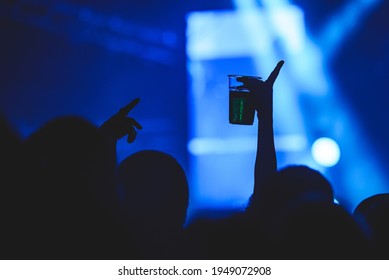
{"points": [[325, 152]]}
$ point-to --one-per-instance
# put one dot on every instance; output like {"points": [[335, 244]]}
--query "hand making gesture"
{"points": [[120, 124], [262, 96]]}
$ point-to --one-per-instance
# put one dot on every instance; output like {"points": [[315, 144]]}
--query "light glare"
{"points": [[326, 152]]}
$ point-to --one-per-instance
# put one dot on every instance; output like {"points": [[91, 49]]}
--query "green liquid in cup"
{"points": [[240, 111]]}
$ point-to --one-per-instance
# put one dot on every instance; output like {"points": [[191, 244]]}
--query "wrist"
{"points": [[265, 113]]}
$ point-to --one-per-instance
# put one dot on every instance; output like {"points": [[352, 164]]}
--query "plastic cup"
{"points": [[241, 110]]}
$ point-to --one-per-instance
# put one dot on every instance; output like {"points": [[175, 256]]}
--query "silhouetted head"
{"points": [[373, 214], [68, 158], [318, 231], [154, 188], [373, 207], [289, 184], [69, 182]]}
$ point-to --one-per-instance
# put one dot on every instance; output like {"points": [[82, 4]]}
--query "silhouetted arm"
{"points": [[266, 162]]}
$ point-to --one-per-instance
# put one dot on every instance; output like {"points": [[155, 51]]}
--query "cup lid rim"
{"points": [[240, 75]]}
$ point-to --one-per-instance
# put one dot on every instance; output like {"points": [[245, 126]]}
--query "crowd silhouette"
{"points": [[64, 196]]}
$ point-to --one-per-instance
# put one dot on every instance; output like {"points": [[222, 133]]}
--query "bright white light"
{"points": [[325, 152]]}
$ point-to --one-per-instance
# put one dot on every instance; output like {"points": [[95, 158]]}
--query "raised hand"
{"points": [[120, 124], [263, 90]]}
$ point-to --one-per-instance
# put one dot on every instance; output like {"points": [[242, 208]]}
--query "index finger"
{"points": [[274, 74], [126, 109]]}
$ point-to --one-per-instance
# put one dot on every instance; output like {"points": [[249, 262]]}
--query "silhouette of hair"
{"points": [[71, 150], [288, 184], [155, 185], [373, 215]]}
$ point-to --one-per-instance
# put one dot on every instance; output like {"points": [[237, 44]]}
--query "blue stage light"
{"points": [[250, 40]]}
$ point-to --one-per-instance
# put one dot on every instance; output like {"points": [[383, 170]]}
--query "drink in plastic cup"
{"points": [[241, 110]]}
